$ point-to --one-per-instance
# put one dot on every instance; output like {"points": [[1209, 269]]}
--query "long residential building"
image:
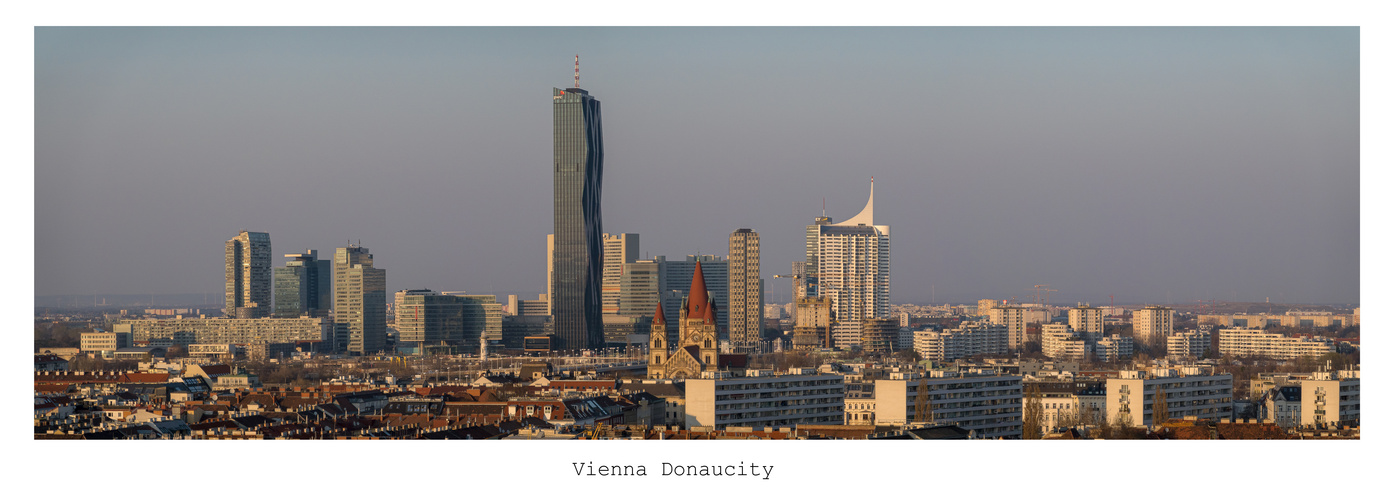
{"points": [[1191, 391], [989, 405], [228, 330], [967, 340], [764, 399], [1256, 342], [1062, 342]]}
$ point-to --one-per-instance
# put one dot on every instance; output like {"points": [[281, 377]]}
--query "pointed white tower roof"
{"points": [[866, 216]]}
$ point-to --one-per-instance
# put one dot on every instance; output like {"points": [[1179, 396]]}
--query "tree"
{"points": [[922, 405], [1160, 413], [1033, 413]]}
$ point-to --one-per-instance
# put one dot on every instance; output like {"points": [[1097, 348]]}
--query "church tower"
{"points": [[659, 343]]}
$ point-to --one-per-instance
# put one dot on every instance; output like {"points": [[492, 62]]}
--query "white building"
{"points": [[853, 263], [1088, 320], [1194, 344], [1061, 342], [966, 340], [1189, 391], [1153, 324], [989, 405], [1116, 347], [1257, 342], [763, 399], [1014, 317], [1330, 399]]}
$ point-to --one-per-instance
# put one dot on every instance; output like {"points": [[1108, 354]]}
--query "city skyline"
{"points": [[1223, 166]]}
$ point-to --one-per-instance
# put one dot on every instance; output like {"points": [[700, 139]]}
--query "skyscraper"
{"points": [[850, 262], [744, 289], [247, 272], [303, 286], [575, 291], [360, 302]]}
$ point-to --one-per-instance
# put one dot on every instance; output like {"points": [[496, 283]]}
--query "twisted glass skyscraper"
{"points": [[577, 244]]}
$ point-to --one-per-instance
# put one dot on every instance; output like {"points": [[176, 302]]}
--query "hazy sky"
{"points": [[1155, 164]]}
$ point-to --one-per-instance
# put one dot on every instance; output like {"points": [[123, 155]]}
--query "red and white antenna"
{"points": [[576, 72]]}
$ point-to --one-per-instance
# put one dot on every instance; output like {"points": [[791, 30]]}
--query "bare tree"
{"points": [[922, 405], [1033, 413]]}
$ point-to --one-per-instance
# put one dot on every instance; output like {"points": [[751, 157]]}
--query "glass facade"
{"points": [[247, 275], [577, 227]]}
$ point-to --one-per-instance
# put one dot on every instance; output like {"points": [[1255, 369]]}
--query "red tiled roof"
{"points": [[698, 293], [659, 313]]}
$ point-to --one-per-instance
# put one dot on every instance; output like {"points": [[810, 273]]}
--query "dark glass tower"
{"points": [[577, 240]]}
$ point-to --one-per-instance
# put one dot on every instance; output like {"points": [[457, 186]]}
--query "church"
{"points": [[697, 349]]}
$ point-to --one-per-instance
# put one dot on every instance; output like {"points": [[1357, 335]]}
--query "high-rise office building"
{"points": [[851, 263], [247, 273], [619, 250], [674, 283], [305, 286], [483, 317], [360, 302], [744, 289], [428, 317], [576, 280]]}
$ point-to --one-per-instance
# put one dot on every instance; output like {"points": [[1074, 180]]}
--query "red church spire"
{"points": [[698, 293]]}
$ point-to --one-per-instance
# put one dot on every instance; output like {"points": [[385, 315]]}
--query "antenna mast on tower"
{"points": [[576, 72]]}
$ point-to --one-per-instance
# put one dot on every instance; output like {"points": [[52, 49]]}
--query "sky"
{"points": [[1149, 164]]}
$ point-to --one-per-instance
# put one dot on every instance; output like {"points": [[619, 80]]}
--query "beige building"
{"points": [[967, 339], [1330, 399], [989, 405], [617, 251], [1115, 348], [1195, 344], [1256, 342], [1191, 391], [1062, 342], [361, 302], [1087, 320], [1015, 319], [764, 399], [744, 289], [104, 341], [1293, 319], [813, 322], [1153, 324], [983, 309]]}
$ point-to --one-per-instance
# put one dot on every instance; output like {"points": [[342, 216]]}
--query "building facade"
{"points": [[764, 399], [247, 272], [744, 289], [361, 301], [227, 330], [1191, 391], [1195, 344], [577, 251], [989, 405], [851, 263], [1015, 320], [814, 322], [618, 250], [880, 335], [305, 286], [1257, 342], [967, 339], [1087, 320], [1153, 324]]}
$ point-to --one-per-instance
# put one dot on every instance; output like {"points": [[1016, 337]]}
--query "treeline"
{"points": [[58, 334]]}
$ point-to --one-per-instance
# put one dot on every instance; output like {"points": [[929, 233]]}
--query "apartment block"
{"points": [[989, 405], [764, 399], [1191, 391], [1257, 342]]}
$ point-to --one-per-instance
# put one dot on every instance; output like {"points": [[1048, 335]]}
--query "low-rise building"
{"points": [[764, 399], [1257, 342], [101, 341], [1188, 391], [1115, 348], [229, 330], [990, 405], [1194, 344]]}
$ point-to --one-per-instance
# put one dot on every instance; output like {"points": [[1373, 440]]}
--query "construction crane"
{"points": [[1041, 293]]}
